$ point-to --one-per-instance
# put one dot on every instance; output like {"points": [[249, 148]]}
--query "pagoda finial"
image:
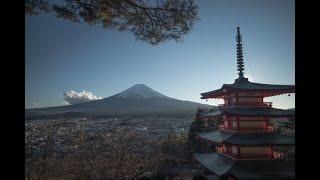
{"points": [[239, 53], [240, 63]]}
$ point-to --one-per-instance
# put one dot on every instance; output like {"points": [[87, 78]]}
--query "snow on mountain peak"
{"points": [[140, 90]]}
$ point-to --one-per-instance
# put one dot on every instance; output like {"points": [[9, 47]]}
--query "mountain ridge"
{"points": [[138, 99]]}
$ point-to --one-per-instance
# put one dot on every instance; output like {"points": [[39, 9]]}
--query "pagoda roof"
{"points": [[249, 111], [248, 139], [246, 169], [245, 86]]}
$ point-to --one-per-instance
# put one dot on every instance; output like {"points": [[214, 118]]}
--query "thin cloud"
{"points": [[73, 97]]}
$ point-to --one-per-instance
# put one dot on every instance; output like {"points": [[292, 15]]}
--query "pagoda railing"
{"points": [[259, 104], [251, 155], [274, 155], [264, 129]]}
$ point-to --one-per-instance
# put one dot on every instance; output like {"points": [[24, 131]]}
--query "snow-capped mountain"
{"points": [[138, 99], [140, 91]]}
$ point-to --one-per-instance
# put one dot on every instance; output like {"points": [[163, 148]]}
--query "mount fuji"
{"points": [[138, 99]]}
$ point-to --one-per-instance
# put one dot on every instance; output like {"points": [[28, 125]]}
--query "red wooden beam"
{"points": [[238, 123]]}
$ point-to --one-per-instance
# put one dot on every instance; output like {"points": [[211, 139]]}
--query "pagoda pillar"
{"points": [[238, 123], [237, 101]]}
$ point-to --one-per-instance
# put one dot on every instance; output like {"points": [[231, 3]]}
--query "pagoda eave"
{"points": [[266, 90], [249, 111], [216, 94], [248, 139], [246, 169]]}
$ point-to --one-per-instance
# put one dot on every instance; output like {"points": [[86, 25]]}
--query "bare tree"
{"points": [[67, 150], [153, 21], [40, 163]]}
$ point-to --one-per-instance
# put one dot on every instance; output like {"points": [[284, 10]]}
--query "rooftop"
{"points": [[249, 111], [266, 89], [246, 169], [248, 139]]}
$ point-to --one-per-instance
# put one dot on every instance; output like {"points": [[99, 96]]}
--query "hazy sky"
{"points": [[63, 56]]}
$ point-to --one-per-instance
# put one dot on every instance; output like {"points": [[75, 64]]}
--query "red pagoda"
{"points": [[245, 140]]}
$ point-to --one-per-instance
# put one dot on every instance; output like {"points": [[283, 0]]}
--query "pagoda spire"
{"points": [[240, 63]]}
